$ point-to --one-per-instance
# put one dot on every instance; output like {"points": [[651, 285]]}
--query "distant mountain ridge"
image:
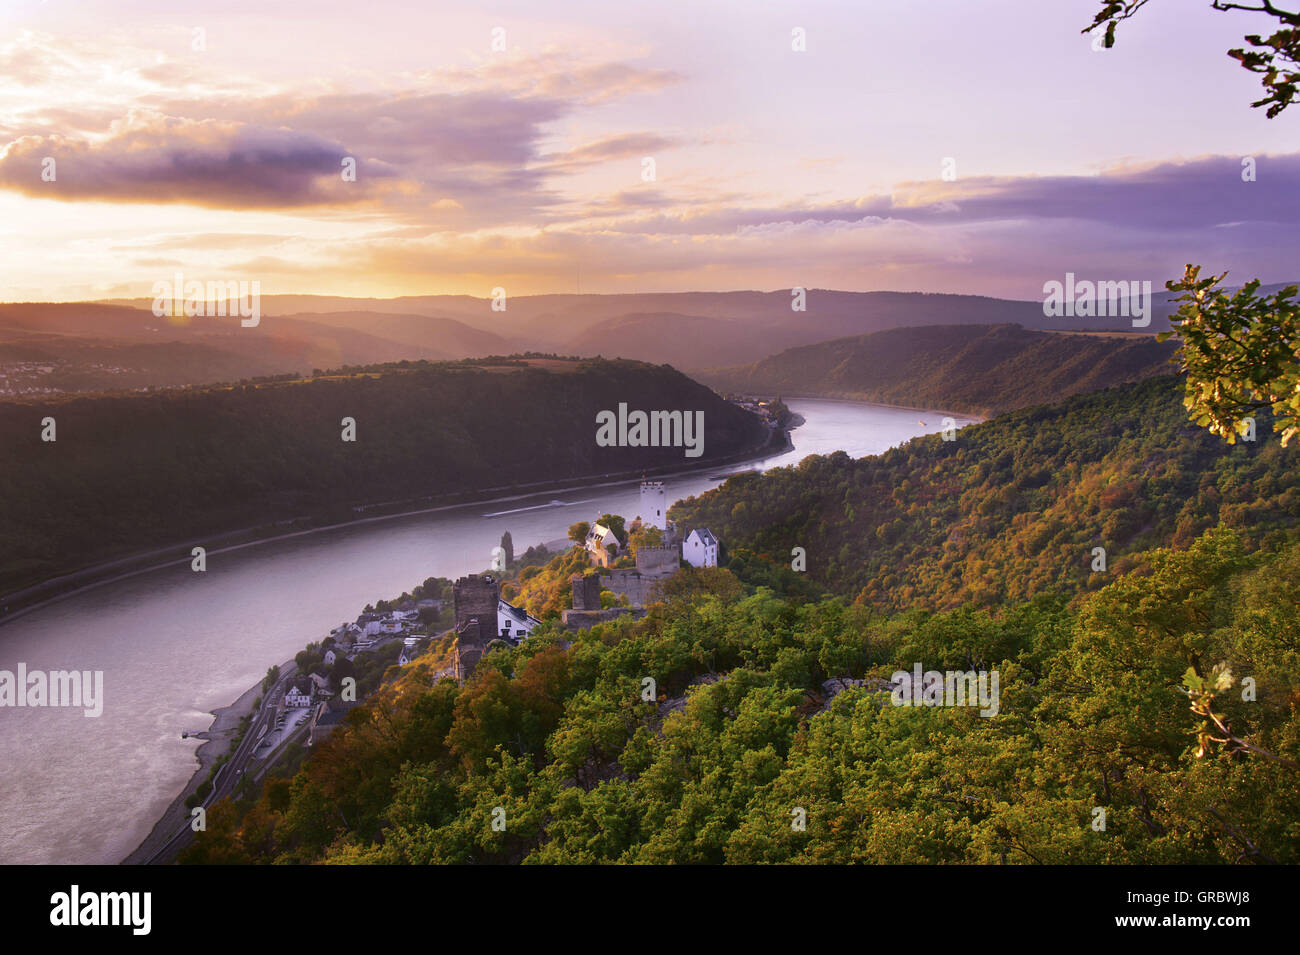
{"points": [[692, 331], [983, 369], [689, 330]]}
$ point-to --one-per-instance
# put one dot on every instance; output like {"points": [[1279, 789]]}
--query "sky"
{"points": [[972, 146]]}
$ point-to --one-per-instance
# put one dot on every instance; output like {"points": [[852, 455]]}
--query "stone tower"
{"points": [[476, 600], [586, 592], [654, 504]]}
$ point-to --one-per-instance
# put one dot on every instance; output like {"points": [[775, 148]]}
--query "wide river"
{"points": [[175, 645]]}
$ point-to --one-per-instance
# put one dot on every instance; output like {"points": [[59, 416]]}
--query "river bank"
{"points": [[20, 602], [217, 739], [976, 415]]}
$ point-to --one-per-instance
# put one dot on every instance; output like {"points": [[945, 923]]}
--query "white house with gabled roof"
{"points": [[514, 623], [700, 549], [599, 539]]}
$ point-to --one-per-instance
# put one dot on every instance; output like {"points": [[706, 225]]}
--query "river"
{"points": [[174, 645]]}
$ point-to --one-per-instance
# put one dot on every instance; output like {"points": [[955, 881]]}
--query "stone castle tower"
{"points": [[654, 504], [586, 592], [476, 600]]}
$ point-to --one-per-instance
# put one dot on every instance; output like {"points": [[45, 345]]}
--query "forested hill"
{"points": [[131, 472], [981, 369], [1011, 508]]}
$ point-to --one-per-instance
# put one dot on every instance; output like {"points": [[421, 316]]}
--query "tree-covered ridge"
{"points": [[979, 369], [560, 748], [1013, 507], [130, 472]]}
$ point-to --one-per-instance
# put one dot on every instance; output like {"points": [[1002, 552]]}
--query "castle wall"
{"points": [[658, 561], [638, 588]]}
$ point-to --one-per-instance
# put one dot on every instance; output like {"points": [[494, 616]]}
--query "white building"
{"points": [[654, 504], [514, 623], [298, 694], [599, 538], [700, 548]]}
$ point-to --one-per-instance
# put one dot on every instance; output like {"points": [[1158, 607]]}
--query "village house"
{"points": [[409, 650], [298, 693], [325, 718], [700, 549], [320, 683], [598, 543], [514, 623]]}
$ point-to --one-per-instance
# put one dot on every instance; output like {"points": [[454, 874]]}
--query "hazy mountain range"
{"points": [[90, 346]]}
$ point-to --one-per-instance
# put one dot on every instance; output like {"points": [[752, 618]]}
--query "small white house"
{"points": [[373, 627], [514, 623], [298, 694], [598, 541], [700, 548]]}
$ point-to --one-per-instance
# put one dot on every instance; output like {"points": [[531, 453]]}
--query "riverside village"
{"points": [[620, 579]]}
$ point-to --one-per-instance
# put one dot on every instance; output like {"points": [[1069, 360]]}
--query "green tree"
{"points": [[646, 535], [1239, 351], [616, 524], [1275, 57]]}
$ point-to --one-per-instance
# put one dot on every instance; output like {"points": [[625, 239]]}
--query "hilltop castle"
{"points": [[482, 617]]}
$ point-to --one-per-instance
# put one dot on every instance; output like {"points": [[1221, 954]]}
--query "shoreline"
{"points": [[977, 417], [218, 736], [226, 719], [216, 743]]}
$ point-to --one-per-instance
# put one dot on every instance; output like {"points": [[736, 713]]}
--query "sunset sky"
{"points": [[523, 168]]}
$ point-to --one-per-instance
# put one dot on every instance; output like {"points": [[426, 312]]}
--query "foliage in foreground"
{"points": [[560, 745]]}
